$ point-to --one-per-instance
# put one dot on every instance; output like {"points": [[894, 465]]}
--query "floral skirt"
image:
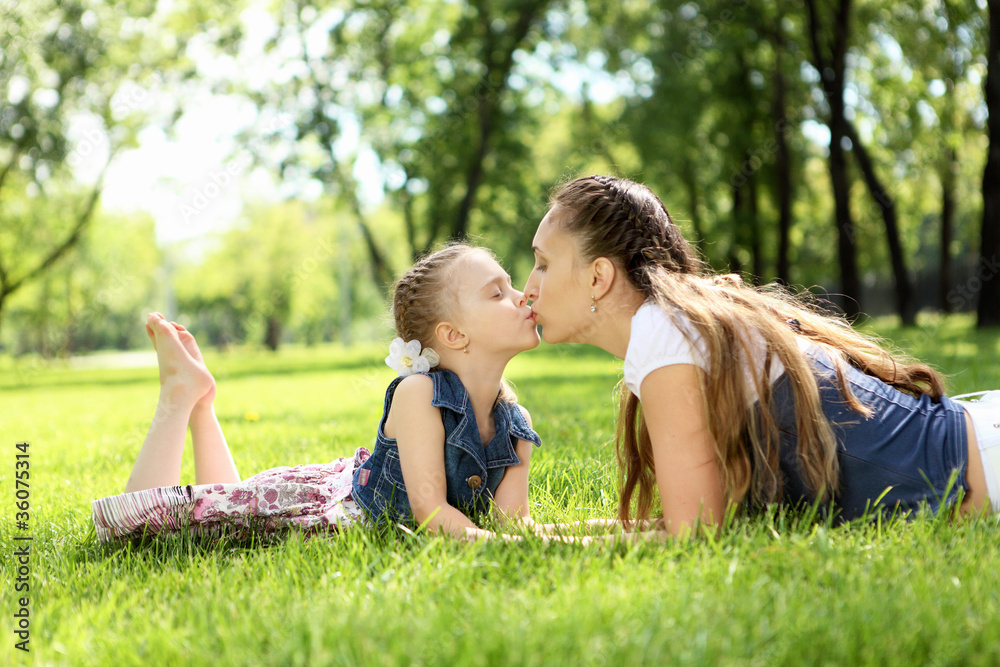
{"points": [[314, 496]]}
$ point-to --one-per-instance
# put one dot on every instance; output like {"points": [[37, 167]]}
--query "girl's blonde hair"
{"points": [[628, 224], [427, 295]]}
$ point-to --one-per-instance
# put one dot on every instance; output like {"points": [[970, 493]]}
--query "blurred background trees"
{"points": [[841, 145]]}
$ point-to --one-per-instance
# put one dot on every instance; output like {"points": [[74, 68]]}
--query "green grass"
{"points": [[775, 590]]}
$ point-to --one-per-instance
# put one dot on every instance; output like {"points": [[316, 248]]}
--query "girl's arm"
{"points": [[510, 502], [419, 436], [687, 474]]}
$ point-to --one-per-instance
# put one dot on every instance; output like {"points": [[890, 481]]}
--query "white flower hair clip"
{"points": [[407, 359]]}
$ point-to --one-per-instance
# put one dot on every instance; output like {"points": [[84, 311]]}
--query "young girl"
{"points": [[452, 441], [734, 394]]}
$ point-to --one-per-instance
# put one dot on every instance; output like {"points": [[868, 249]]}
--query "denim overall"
{"points": [[473, 472], [910, 446]]}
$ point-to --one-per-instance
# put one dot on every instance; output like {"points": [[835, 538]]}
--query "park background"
{"points": [[262, 170]]}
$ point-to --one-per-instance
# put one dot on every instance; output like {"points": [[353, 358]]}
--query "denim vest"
{"points": [[473, 472], [907, 450]]}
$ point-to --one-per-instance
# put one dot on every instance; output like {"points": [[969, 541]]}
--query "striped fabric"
{"points": [[157, 509]]}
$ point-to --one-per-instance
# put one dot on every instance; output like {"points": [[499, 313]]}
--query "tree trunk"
{"points": [[756, 249], [735, 264], [272, 337], [381, 272], [783, 173], [833, 81], [850, 283], [988, 310], [494, 83], [886, 204], [947, 218], [691, 185]]}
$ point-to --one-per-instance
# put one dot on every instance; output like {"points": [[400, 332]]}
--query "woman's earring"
{"points": [[593, 303], [466, 350]]}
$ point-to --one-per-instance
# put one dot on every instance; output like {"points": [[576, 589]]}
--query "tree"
{"points": [[282, 272], [66, 65], [95, 296], [989, 298], [446, 129], [830, 61], [923, 107]]}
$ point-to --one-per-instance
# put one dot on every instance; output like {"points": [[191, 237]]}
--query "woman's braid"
{"points": [[625, 221]]}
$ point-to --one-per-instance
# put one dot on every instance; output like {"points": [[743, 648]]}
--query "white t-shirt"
{"points": [[658, 340]]}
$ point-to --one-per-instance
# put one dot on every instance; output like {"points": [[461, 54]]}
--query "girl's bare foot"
{"points": [[187, 339], [183, 374]]}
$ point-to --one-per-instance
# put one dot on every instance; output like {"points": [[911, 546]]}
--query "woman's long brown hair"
{"points": [[626, 223]]}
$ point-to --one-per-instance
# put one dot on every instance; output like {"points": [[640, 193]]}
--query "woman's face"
{"points": [[558, 286]]}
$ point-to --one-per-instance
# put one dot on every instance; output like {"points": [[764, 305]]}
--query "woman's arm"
{"points": [[687, 474], [419, 435]]}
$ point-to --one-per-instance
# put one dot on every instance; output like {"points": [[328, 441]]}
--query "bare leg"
{"points": [[183, 383], [213, 463]]}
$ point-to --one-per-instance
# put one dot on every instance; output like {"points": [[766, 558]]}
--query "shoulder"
{"points": [[659, 338], [520, 425], [525, 414], [413, 395], [653, 320]]}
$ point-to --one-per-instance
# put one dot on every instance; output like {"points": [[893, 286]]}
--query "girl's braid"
{"points": [[420, 298]]}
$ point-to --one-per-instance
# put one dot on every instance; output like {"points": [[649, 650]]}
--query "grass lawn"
{"points": [[777, 590]]}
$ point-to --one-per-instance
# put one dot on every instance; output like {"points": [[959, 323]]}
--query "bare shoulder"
{"points": [[411, 400], [414, 388], [670, 387]]}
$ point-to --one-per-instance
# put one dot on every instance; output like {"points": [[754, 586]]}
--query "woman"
{"points": [[739, 395]]}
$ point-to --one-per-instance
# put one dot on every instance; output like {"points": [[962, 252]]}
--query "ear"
{"points": [[450, 337], [602, 276]]}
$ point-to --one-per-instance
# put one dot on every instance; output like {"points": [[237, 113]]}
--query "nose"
{"points": [[530, 288], [521, 300]]}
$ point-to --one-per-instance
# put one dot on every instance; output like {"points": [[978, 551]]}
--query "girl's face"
{"points": [[493, 314], [558, 286]]}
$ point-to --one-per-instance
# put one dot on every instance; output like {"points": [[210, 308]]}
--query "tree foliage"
{"points": [[831, 143], [74, 79]]}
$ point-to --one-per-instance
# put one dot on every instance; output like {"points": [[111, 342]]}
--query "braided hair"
{"points": [[424, 296], [625, 221]]}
